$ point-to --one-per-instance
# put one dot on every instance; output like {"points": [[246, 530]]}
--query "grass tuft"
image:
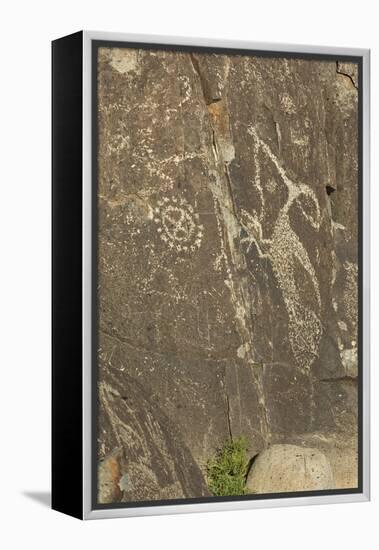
{"points": [[226, 471]]}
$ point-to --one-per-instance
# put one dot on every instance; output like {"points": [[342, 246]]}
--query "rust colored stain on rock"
{"points": [[109, 478]]}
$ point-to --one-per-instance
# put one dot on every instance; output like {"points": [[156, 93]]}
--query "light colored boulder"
{"points": [[287, 468]]}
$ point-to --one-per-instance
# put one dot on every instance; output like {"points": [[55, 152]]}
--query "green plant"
{"points": [[226, 471]]}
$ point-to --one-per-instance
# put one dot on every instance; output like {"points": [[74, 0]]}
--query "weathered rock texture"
{"points": [[227, 200], [288, 468], [142, 452]]}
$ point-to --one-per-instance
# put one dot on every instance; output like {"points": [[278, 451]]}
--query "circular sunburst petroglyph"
{"points": [[178, 224]]}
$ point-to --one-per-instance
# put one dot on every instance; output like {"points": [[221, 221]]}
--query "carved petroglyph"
{"points": [[123, 61], [185, 89], [283, 248], [287, 103], [349, 351], [351, 292], [178, 224]]}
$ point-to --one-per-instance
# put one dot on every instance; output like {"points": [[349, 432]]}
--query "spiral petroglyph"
{"points": [[178, 224]]}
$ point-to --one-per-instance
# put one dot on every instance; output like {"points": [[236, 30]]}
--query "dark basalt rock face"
{"points": [[227, 205], [141, 454]]}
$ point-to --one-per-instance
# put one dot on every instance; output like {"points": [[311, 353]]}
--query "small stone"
{"points": [[288, 468]]}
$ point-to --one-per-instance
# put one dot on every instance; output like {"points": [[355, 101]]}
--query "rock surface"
{"points": [[140, 451], [288, 468], [227, 291]]}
